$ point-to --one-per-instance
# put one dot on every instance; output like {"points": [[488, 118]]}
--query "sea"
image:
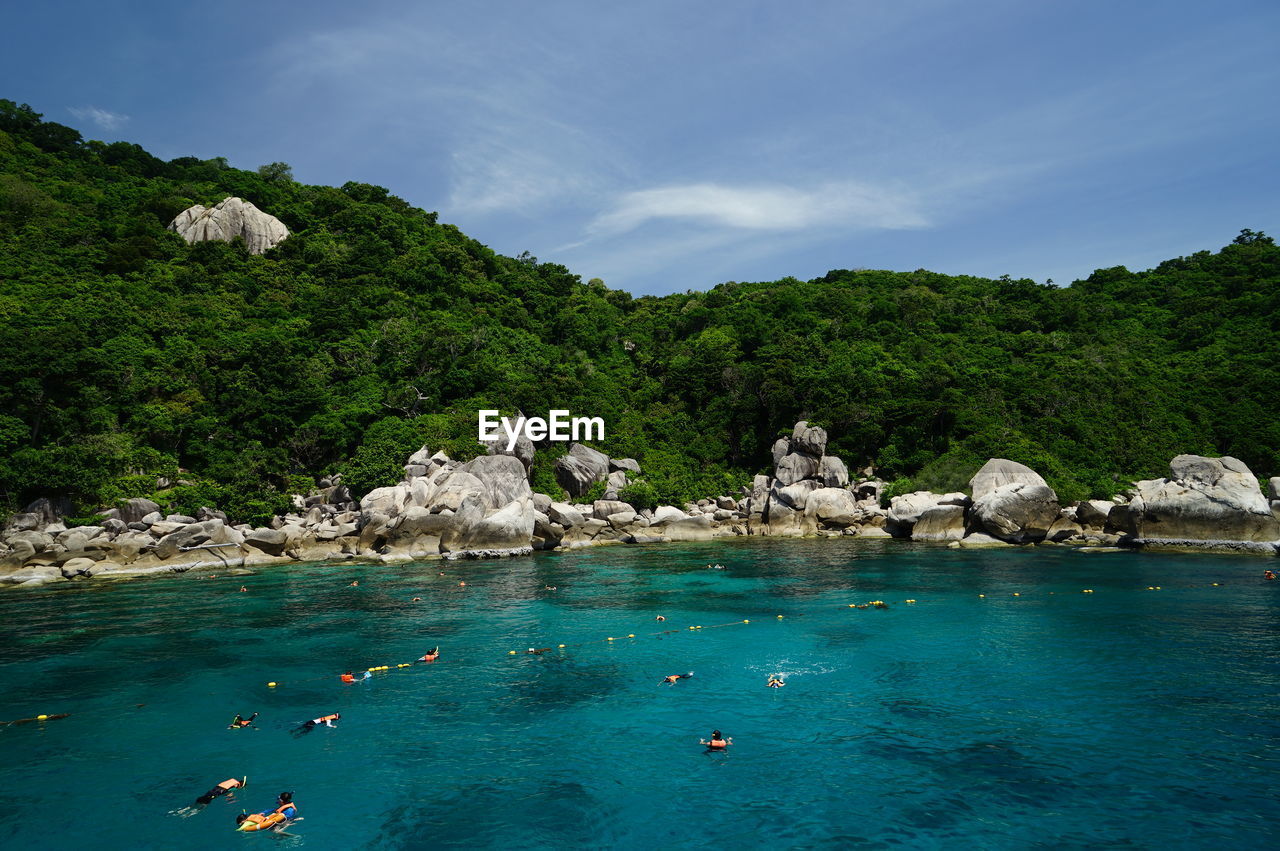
{"points": [[934, 698]]}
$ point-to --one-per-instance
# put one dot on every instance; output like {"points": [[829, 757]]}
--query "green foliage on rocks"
{"points": [[127, 354]]}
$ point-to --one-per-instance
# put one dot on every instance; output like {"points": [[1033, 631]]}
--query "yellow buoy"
{"points": [[561, 646], [1157, 587], [911, 601], [780, 617], [853, 605], [982, 595], [271, 685], [746, 621], [1017, 594], [610, 638], [42, 717], [631, 635], [511, 652]]}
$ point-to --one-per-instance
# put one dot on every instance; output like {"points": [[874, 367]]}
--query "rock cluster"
{"points": [[229, 218], [810, 493]]}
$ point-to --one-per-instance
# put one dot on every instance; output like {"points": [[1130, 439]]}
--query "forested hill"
{"points": [[128, 354]]}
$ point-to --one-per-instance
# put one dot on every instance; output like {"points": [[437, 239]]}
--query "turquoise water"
{"points": [[1122, 717]]}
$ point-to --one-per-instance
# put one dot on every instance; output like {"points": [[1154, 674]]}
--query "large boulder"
{"points": [[387, 501], [1093, 513], [1017, 513], [796, 467], [508, 528], [523, 450], [602, 508], [999, 472], [905, 510], [781, 447], [504, 478], [565, 515], [269, 541], [698, 528], [229, 218], [797, 495], [1203, 499], [833, 472], [625, 465], [458, 484], [580, 469], [831, 507], [667, 514], [939, 523], [48, 511], [810, 440]]}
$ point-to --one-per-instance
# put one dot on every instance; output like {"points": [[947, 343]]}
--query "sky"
{"points": [[667, 146]]}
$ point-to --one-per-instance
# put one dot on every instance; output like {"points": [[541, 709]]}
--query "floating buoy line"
{"points": [[611, 640]]}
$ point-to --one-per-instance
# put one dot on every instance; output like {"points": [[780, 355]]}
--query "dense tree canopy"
{"points": [[129, 355]]}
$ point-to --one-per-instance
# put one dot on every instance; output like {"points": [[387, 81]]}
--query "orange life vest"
{"points": [[348, 678], [333, 717], [718, 743], [230, 783]]}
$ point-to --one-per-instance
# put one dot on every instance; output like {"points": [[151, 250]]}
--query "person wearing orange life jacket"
{"points": [[221, 789], [430, 655], [1270, 574], [239, 722], [285, 810], [326, 720], [350, 677], [718, 742]]}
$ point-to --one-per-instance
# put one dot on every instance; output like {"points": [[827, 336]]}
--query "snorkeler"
{"points": [[238, 721], [285, 811], [325, 720], [671, 679], [718, 742], [660, 619], [775, 681], [1270, 574], [350, 677], [430, 655], [221, 789]]}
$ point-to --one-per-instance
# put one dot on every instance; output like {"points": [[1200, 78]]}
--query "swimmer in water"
{"points": [[221, 789], [243, 589], [671, 680], [350, 677], [354, 584], [238, 722], [285, 811], [1270, 574], [775, 681], [718, 742], [324, 720], [430, 655], [660, 619]]}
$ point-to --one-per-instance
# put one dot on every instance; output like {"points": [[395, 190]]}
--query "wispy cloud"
{"points": [[104, 118], [841, 204]]}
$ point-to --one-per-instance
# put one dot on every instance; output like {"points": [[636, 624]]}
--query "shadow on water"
{"points": [[554, 682], [498, 814]]}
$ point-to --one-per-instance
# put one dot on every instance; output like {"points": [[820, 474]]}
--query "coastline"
{"points": [[485, 508]]}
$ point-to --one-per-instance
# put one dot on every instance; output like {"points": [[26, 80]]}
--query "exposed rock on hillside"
{"points": [[229, 218]]}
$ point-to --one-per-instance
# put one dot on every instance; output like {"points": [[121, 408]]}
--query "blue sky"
{"points": [[667, 146]]}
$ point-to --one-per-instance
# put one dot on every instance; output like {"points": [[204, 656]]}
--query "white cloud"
{"points": [[105, 119], [841, 204]]}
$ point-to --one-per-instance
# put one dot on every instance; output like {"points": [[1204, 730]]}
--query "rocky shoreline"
{"points": [[485, 508]]}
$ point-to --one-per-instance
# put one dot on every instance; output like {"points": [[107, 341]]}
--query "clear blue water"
{"points": [[1125, 717]]}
